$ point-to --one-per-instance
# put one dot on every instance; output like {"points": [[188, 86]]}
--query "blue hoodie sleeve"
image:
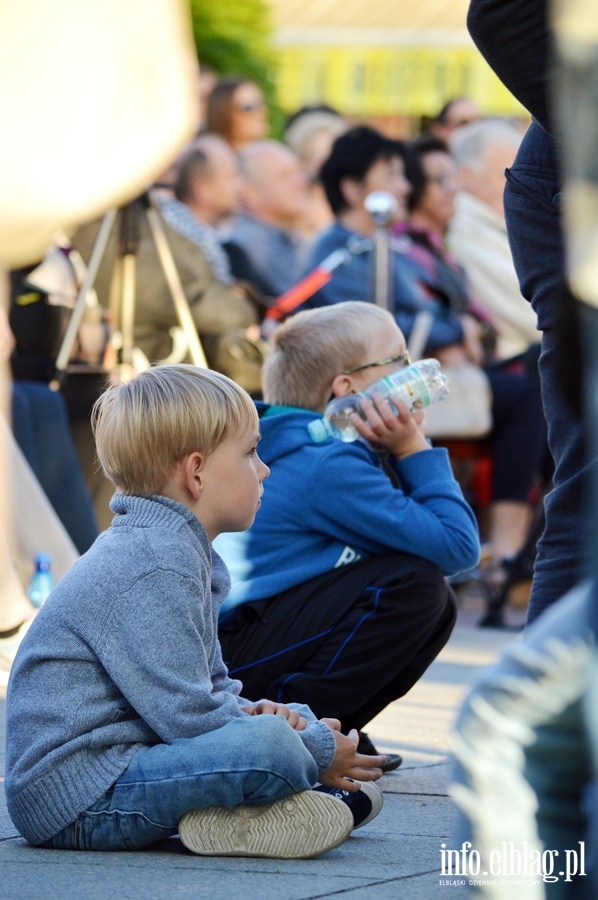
{"points": [[353, 500]]}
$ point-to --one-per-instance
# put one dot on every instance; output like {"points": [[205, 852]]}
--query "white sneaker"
{"points": [[297, 827]]}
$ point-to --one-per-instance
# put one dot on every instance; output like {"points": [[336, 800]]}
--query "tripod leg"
{"points": [[97, 254], [128, 309], [174, 283]]}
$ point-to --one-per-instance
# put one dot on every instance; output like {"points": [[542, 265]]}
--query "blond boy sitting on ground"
{"points": [[123, 725]]}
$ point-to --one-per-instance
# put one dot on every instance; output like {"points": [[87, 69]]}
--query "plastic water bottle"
{"points": [[418, 385], [42, 582]]}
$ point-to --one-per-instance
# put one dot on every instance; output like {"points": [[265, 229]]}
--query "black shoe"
{"points": [[365, 804], [366, 747]]}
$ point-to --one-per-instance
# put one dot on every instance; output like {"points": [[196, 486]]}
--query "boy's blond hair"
{"points": [[147, 425], [313, 347]]}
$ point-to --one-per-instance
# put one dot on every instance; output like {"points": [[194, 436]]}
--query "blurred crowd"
{"points": [[247, 218]]}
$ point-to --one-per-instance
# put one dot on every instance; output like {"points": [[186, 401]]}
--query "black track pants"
{"points": [[348, 642]]}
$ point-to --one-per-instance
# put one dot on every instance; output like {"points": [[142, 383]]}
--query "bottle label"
{"points": [[413, 390]]}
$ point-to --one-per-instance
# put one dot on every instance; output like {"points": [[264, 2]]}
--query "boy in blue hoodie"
{"points": [[339, 598], [123, 726]]}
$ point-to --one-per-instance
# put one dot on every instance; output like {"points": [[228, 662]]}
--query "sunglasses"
{"points": [[403, 358], [250, 107]]}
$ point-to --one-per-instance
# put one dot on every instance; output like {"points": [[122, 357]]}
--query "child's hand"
{"points": [[401, 434], [348, 764], [270, 708]]}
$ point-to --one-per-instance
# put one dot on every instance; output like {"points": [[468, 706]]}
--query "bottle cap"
{"points": [[43, 560], [319, 430]]}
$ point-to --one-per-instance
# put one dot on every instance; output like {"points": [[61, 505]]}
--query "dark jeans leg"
{"points": [[518, 435], [532, 208], [346, 643], [42, 431]]}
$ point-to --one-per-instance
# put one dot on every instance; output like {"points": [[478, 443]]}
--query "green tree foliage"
{"points": [[233, 36]]}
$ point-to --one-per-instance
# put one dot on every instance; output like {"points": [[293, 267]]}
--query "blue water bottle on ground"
{"points": [[42, 582]]}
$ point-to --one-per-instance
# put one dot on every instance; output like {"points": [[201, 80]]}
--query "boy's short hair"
{"points": [[312, 348], [144, 427]]}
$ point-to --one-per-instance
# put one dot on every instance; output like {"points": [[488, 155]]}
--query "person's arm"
{"points": [[170, 680], [514, 38], [348, 767], [155, 651], [353, 501]]}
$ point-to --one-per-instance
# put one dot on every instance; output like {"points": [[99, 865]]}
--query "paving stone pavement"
{"points": [[396, 857]]}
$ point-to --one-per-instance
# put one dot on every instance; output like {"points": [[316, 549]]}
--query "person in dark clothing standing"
{"points": [[514, 38]]}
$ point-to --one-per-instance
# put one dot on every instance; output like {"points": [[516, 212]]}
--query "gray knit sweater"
{"points": [[123, 654]]}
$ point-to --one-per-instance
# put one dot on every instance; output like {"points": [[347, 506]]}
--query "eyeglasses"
{"points": [[250, 107], [459, 123], [446, 182], [402, 358]]}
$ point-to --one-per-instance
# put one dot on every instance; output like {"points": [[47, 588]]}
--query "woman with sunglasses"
{"points": [[237, 112]]}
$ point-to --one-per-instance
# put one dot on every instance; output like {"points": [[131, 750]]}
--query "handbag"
{"points": [[467, 411]]}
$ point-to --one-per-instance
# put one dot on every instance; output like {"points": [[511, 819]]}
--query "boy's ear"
{"points": [[193, 474], [342, 385]]}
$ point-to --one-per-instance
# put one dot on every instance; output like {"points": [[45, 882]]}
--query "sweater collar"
{"points": [[147, 512]]}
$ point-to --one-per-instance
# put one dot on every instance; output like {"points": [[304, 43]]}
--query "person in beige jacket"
{"points": [[477, 234]]}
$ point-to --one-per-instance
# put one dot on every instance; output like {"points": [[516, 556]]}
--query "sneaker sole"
{"points": [[297, 827], [376, 798]]}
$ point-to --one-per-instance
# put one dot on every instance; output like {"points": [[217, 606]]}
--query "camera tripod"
{"points": [[122, 305]]}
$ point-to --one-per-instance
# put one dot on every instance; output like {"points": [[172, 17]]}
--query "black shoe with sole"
{"points": [[366, 747], [365, 804]]}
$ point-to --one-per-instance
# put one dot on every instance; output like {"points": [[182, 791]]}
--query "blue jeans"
{"points": [[41, 429], [532, 208], [253, 760]]}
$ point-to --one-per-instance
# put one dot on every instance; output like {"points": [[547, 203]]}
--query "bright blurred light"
{"points": [[96, 100]]}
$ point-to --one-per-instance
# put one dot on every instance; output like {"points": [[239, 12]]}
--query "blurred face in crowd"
{"points": [[274, 188], [385, 175], [487, 180], [249, 115], [437, 203], [208, 180], [460, 112]]}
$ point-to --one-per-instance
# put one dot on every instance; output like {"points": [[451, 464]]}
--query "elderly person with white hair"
{"points": [[477, 234]]}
